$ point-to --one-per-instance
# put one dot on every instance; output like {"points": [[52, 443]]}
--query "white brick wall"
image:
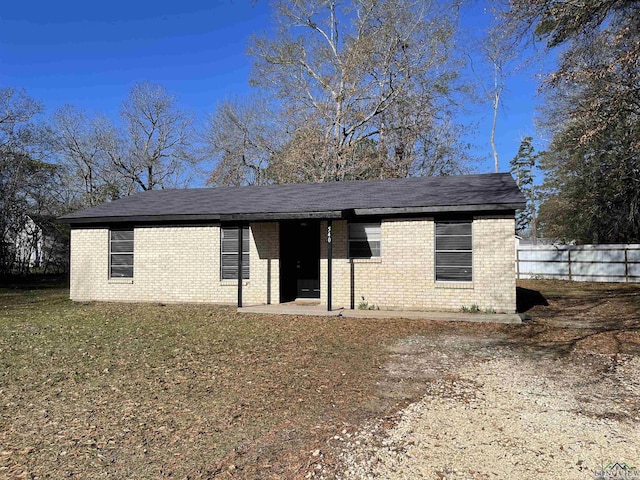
{"points": [[403, 277], [173, 264], [182, 264]]}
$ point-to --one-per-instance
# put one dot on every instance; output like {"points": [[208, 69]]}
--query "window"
{"points": [[229, 253], [454, 253], [121, 253], [364, 240]]}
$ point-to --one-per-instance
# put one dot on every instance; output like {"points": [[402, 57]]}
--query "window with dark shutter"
{"points": [[454, 251], [121, 253], [229, 253], [364, 240]]}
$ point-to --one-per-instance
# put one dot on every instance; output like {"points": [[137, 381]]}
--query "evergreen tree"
{"points": [[591, 191], [522, 167]]}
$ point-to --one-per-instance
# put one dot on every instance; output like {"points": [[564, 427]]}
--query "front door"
{"points": [[299, 260]]}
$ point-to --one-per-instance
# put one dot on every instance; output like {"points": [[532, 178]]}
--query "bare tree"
{"points": [[496, 57], [17, 110], [491, 58], [158, 136], [150, 148], [242, 137], [360, 85], [26, 180], [79, 142]]}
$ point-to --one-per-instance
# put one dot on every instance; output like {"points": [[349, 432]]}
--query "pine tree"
{"points": [[522, 168], [591, 115]]}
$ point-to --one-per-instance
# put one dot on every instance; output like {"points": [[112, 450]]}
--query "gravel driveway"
{"points": [[495, 410]]}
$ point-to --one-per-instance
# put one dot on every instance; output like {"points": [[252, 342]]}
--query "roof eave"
{"points": [[138, 219], [232, 217], [256, 217], [486, 207], [321, 215]]}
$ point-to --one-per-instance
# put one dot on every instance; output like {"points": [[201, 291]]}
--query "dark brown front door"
{"points": [[299, 260]]}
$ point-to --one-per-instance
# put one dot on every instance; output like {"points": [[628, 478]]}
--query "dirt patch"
{"points": [[558, 397], [179, 391], [508, 417]]}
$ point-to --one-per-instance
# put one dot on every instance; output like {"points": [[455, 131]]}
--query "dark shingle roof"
{"points": [[494, 191]]}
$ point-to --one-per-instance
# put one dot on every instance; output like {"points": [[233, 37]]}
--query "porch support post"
{"points": [[240, 266], [329, 258]]}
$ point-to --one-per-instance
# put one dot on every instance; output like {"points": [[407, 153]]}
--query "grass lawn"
{"points": [[148, 391], [108, 390]]}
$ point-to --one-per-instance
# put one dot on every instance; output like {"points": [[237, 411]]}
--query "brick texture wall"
{"points": [[174, 264], [403, 277], [182, 264]]}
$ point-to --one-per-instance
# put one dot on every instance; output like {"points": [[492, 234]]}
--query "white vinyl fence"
{"points": [[582, 263]]}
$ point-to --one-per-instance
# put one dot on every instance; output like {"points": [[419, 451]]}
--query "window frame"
{"points": [[246, 237], [437, 251], [112, 253], [351, 240]]}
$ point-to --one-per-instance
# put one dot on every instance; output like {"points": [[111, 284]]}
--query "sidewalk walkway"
{"points": [[321, 311]]}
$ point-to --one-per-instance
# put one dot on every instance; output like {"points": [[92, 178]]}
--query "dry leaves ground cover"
{"points": [[183, 391], [558, 397], [105, 390]]}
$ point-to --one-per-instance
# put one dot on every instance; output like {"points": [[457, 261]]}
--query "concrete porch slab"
{"points": [[321, 311], [440, 316], [292, 308]]}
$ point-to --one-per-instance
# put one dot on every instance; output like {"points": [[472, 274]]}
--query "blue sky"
{"points": [[89, 54]]}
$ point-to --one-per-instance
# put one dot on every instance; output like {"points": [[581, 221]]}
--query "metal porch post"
{"points": [[240, 266], [329, 258]]}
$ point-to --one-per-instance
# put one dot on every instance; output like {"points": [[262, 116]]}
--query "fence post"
{"points": [[626, 265], [569, 262], [517, 263]]}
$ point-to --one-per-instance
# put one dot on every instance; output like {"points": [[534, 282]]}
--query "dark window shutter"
{"points": [[364, 240], [121, 253], [229, 253], [454, 251]]}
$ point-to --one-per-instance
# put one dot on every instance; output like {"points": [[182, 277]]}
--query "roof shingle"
{"points": [[495, 191]]}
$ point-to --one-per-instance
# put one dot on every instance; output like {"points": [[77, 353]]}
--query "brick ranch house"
{"points": [[430, 243]]}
